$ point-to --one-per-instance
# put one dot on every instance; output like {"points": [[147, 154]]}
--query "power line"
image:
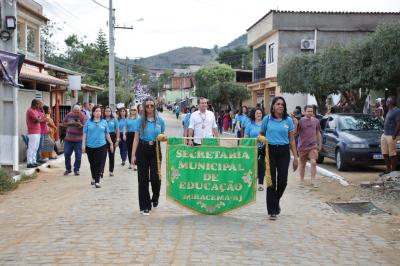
{"points": [[106, 7], [52, 9]]}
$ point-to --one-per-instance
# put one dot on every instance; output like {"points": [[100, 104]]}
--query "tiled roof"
{"points": [[30, 74], [324, 12]]}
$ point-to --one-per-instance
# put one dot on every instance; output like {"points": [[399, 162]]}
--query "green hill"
{"points": [[181, 57]]}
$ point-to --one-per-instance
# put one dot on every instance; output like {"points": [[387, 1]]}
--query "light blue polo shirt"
{"points": [[252, 130], [152, 130], [186, 121], [112, 125], [243, 119], [131, 124], [121, 124], [277, 131], [95, 133]]}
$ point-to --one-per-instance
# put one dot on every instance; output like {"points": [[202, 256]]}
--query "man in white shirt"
{"points": [[202, 123]]}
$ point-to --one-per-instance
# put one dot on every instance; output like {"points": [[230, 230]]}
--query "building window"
{"points": [[30, 36], [271, 53]]}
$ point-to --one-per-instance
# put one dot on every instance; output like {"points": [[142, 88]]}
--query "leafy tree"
{"points": [[230, 93], [156, 84], [384, 45], [121, 96], [217, 84], [236, 58], [208, 76], [46, 35], [301, 74]]}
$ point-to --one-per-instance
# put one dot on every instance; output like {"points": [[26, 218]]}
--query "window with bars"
{"points": [[271, 48]]}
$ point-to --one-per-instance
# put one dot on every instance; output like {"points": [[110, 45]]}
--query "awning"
{"points": [[30, 74], [87, 87]]}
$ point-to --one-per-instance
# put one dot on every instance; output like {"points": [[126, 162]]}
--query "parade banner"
{"points": [[211, 179]]}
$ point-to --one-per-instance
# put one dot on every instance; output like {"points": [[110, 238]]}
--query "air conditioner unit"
{"points": [[307, 44]]}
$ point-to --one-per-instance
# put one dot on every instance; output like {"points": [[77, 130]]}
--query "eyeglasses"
{"points": [[149, 105], [133, 110]]}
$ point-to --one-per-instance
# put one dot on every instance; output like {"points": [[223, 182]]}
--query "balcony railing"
{"points": [[259, 73]]}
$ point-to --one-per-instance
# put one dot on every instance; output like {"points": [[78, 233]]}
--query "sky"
{"points": [[171, 24]]}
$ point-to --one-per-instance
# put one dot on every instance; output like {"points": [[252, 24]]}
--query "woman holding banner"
{"points": [[279, 130], [148, 159], [252, 131]]}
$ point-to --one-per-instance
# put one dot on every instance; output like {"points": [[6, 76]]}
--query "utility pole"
{"points": [[9, 154], [111, 58]]}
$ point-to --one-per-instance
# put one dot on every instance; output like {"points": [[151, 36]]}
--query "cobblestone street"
{"points": [[58, 219]]}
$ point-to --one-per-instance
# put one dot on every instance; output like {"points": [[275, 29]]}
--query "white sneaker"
{"points": [[97, 185], [260, 188], [146, 213], [111, 174]]}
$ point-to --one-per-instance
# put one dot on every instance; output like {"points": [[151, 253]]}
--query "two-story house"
{"points": [[38, 78], [281, 34]]}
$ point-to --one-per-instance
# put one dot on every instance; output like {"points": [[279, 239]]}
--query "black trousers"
{"points": [[97, 158], [261, 165], [129, 143], [279, 159], [111, 155], [146, 161]]}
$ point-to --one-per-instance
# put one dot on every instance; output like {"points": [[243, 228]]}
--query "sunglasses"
{"points": [[149, 105], [133, 110]]}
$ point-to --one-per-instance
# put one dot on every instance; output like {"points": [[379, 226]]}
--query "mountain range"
{"points": [[184, 56]]}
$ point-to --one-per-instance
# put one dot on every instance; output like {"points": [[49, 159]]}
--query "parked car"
{"points": [[352, 139]]}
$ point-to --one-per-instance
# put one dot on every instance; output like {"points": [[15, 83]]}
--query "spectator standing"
{"points": [[309, 143], [391, 135], [33, 119], [379, 112], [94, 143], [74, 122], [226, 121], [86, 110], [43, 134], [49, 138], [202, 123], [278, 128], [220, 121]]}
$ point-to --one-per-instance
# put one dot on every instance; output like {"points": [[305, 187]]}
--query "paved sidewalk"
{"points": [[58, 219]]}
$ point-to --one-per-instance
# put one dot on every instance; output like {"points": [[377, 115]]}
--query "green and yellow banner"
{"points": [[211, 179]]}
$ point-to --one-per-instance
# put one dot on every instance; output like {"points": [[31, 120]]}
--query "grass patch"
{"points": [[7, 183], [25, 177]]}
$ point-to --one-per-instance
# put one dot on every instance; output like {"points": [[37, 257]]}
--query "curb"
{"points": [[327, 173], [32, 171]]}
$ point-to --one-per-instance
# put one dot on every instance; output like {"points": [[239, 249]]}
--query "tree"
{"points": [[121, 96], [46, 35], [237, 58], [101, 44], [156, 84], [384, 46], [230, 93], [301, 74], [208, 76], [217, 84]]}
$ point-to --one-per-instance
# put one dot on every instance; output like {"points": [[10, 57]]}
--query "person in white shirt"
{"points": [[202, 123]]}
